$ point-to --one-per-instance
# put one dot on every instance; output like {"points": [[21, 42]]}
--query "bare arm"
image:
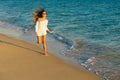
{"points": [[50, 31]]}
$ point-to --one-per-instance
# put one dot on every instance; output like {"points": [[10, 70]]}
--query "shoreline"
{"points": [[23, 61]]}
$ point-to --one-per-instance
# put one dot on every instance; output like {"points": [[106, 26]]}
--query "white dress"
{"points": [[41, 27]]}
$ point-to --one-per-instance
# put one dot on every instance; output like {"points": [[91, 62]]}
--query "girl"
{"points": [[41, 29]]}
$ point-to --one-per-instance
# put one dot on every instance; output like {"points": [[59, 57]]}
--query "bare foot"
{"points": [[46, 54], [38, 42]]}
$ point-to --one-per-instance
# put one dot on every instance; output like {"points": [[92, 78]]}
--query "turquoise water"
{"points": [[89, 28]]}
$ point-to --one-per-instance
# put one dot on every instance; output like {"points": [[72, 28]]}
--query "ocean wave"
{"points": [[101, 60], [63, 39]]}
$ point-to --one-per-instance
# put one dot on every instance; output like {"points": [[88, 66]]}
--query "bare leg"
{"points": [[38, 39], [44, 45]]}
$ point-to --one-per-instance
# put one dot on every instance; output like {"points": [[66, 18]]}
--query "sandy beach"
{"points": [[20, 60]]}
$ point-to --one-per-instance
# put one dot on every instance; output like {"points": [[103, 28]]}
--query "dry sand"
{"points": [[20, 60]]}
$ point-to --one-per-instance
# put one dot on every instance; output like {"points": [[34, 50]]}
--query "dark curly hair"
{"points": [[37, 14]]}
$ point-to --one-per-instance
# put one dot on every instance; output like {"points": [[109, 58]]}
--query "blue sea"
{"points": [[86, 31]]}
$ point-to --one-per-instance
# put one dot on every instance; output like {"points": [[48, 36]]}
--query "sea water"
{"points": [[87, 31]]}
